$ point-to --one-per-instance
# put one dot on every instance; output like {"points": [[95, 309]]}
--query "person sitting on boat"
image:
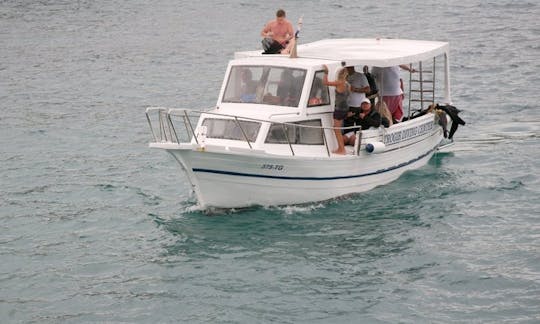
{"points": [[277, 34], [359, 88], [365, 119], [341, 107], [286, 90], [386, 116], [319, 93], [248, 87]]}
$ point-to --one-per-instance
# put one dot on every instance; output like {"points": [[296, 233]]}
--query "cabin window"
{"points": [[318, 96], [307, 132], [230, 129], [271, 85]]}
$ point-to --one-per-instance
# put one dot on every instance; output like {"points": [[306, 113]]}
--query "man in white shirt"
{"points": [[391, 88], [359, 88]]}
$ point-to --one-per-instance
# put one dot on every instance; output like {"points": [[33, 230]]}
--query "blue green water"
{"points": [[96, 227]]}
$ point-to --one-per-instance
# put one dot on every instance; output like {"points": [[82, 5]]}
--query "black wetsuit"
{"points": [[373, 119]]}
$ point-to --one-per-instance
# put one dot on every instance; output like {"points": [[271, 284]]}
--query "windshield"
{"points": [[269, 85]]}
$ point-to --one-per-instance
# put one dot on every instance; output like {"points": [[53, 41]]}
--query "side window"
{"points": [[318, 96], [281, 134], [230, 129], [306, 132], [311, 134]]}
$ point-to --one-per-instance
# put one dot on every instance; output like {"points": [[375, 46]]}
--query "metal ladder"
{"points": [[422, 86]]}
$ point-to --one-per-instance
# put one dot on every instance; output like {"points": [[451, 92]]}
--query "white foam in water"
{"points": [[300, 209]]}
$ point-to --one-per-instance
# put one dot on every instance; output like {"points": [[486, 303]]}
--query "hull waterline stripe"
{"points": [[313, 178]]}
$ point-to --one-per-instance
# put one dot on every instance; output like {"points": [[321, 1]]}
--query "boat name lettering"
{"points": [[278, 167], [408, 133]]}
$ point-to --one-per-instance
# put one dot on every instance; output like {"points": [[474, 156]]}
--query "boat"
{"points": [[269, 139]]}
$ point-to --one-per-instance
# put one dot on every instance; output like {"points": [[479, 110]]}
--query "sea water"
{"points": [[97, 227]]}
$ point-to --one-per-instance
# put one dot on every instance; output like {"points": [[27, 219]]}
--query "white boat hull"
{"points": [[230, 179]]}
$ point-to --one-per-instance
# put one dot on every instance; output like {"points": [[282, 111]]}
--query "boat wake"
{"points": [[505, 133], [285, 209]]}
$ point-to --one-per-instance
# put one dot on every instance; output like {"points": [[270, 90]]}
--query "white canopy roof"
{"points": [[380, 52]]}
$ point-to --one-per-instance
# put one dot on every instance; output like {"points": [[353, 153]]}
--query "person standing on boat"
{"points": [[341, 107], [391, 88], [359, 88], [277, 34]]}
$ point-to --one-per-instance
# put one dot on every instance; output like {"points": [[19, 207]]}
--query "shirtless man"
{"points": [[280, 30]]}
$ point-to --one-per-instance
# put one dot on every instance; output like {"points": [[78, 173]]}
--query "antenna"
{"points": [[294, 53]]}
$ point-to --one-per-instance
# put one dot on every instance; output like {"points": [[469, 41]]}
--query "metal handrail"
{"points": [[286, 133], [149, 110], [423, 90], [187, 122], [243, 132], [168, 133]]}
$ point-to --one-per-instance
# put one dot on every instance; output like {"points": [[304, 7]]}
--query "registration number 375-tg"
{"points": [[278, 167]]}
